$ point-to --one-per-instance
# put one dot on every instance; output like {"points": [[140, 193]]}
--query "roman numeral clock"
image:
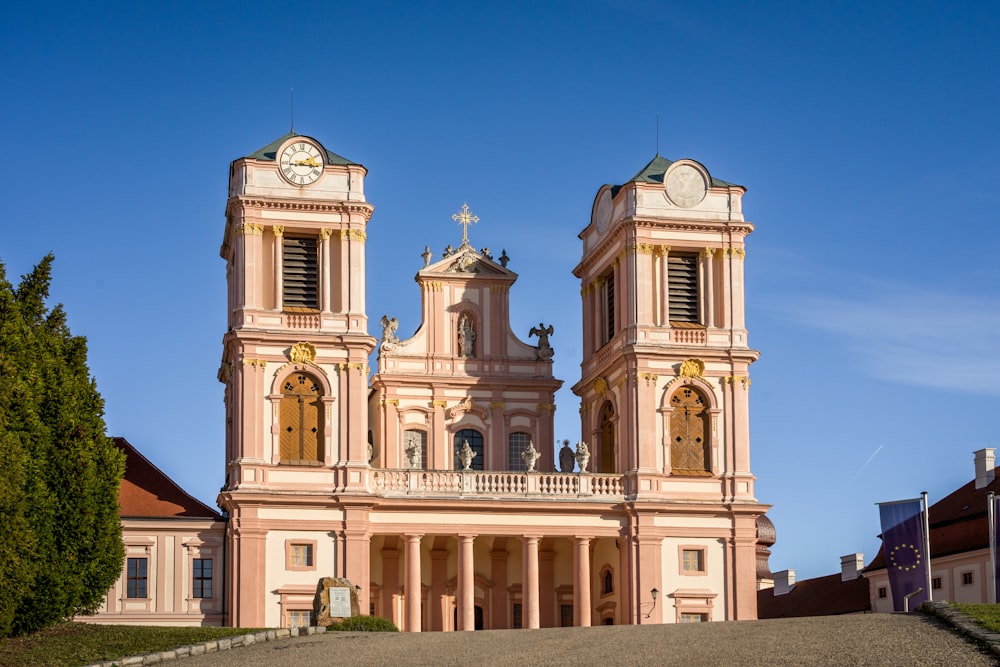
{"points": [[301, 163]]}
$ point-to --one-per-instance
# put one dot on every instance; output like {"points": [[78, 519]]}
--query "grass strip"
{"points": [[987, 614], [75, 644]]}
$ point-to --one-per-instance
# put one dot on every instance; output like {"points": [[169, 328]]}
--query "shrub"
{"points": [[366, 624]]}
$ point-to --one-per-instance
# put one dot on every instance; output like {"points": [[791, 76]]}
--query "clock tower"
{"points": [[295, 369]]}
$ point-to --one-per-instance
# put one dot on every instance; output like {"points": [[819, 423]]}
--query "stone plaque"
{"points": [[340, 602]]}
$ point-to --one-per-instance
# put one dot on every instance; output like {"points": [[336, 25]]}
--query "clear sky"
{"points": [[865, 132]]}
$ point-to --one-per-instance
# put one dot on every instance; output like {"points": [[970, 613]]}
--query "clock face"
{"points": [[301, 163], [686, 186]]}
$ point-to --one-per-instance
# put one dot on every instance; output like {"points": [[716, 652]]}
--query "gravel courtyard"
{"points": [[873, 639]]}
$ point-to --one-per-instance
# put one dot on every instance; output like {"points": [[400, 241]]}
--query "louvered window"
{"points": [[300, 273], [609, 307], [683, 279]]}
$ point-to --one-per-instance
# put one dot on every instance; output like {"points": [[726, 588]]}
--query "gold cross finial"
{"points": [[465, 218]]}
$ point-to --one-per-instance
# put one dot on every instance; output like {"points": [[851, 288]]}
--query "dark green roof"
{"points": [[654, 171], [270, 151]]}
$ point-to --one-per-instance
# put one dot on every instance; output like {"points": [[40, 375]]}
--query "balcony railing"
{"points": [[496, 484]]}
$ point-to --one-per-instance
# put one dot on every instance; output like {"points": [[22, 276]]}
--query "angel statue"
{"points": [[389, 329], [545, 351]]}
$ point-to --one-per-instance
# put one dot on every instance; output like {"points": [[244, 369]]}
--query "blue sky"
{"points": [[865, 133]]}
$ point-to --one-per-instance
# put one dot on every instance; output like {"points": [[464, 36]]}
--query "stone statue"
{"points": [[448, 251], [485, 252], [371, 453], [466, 337], [530, 456], [545, 351], [504, 258], [582, 456], [465, 455], [389, 328], [412, 450], [566, 458]]}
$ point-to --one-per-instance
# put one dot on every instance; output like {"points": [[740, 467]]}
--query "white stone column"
{"points": [[411, 586], [529, 585], [581, 581], [466, 584], [325, 269], [279, 264]]}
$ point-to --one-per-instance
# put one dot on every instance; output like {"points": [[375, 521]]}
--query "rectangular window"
{"points": [[517, 444], [566, 616], [882, 593], [692, 560], [966, 578], [300, 273], [515, 614], [682, 282], [202, 571], [299, 619], [694, 618], [300, 555], [136, 579], [936, 583]]}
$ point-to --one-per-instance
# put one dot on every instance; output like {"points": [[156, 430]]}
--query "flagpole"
{"points": [[927, 544], [992, 596]]}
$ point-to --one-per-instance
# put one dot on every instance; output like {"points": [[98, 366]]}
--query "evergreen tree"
{"points": [[60, 534]]}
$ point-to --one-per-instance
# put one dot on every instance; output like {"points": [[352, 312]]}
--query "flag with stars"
{"points": [[903, 545]]}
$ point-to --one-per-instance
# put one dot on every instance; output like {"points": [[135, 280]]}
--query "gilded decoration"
{"points": [[739, 252], [546, 407], [708, 252], [733, 379], [600, 386], [255, 363], [439, 404], [302, 353], [692, 368], [278, 230], [251, 229], [353, 235], [650, 378], [324, 233], [498, 404]]}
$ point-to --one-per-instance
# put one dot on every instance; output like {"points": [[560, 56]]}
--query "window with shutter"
{"points": [[300, 273], [301, 420], [689, 452], [682, 272]]}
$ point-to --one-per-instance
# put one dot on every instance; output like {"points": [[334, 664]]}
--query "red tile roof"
{"points": [[148, 493], [823, 596], [957, 521]]}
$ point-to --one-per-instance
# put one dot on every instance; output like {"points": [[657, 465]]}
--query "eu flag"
{"points": [[903, 545]]}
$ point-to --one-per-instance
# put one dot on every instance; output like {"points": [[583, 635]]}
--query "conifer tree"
{"points": [[60, 534]]}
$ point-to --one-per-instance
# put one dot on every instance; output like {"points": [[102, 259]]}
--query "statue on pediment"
{"points": [[545, 351]]}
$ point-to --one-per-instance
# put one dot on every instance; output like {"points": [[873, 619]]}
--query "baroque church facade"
{"points": [[434, 483]]}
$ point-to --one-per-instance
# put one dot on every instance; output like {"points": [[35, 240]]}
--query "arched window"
{"points": [[517, 444], [607, 438], [475, 440], [689, 452], [415, 449], [607, 582], [301, 420]]}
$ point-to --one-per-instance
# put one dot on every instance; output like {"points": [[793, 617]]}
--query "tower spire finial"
{"points": [[657, 132], [292, 108], [465, 218]]}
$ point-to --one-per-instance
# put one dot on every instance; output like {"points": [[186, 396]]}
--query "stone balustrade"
{"points": [[494, 483]]}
